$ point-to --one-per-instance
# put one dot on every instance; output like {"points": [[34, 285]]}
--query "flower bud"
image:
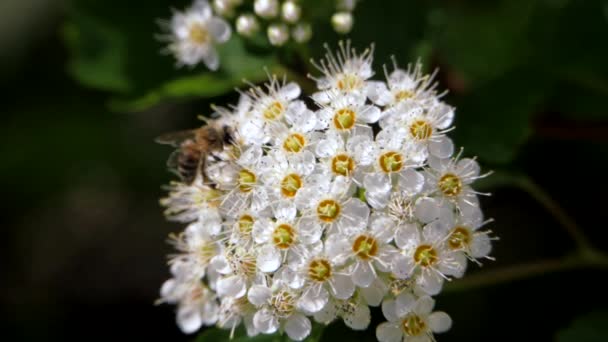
{"points": [[346, 5], [278, 34], [291, 11], [302, 33], [247, 25], [266, 8], [342, 22]]}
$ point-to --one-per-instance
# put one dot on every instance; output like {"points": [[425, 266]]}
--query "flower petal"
{"points": [[389, 332], [439, 322], [297, 327], [269, 259], [259, 295], [189, 319], [363, 274], [342, 286]]}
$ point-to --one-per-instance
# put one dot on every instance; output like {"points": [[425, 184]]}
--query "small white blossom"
{"points": [[194, 33], [411, 319]]}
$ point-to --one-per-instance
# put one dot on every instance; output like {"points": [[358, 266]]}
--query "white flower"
{"points": [[345, 112], [194, 33], [465, 236], [319, 278], [282, 239], [404, 87], [233, 312], [238, 269], [277, 309], [196, 248], [411, 320], [345, 72], [275, 104], [330, 205], [353, 311], [425, 129], [425, 257], [187, 203], [196, 308], [346, 159], [368, 250], [451, 180], [246, 188], [285, 175], [392, 165]]}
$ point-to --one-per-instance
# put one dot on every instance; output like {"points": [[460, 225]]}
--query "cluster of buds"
{"points": [[194, 32], [317, 212]]}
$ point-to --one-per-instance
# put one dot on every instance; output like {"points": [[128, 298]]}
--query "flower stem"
{"points": [[571, 227], [588, 259]]}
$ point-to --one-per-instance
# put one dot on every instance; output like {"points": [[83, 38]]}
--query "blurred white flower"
{"points": [[194, 34]]}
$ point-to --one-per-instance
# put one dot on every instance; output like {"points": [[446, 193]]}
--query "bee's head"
{"points": [[228, 134]]}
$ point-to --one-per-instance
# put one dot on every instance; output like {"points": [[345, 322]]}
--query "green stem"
{"points": [[584, 260], [571, 227]]}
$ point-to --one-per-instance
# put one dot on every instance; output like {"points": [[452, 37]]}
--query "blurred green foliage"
{"points": [[590, 328]]}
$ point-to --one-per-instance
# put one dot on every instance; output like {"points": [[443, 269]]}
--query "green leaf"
{"points": [[237, 65], [493, 121], [99, 53], [483, 42], [589, 328]]}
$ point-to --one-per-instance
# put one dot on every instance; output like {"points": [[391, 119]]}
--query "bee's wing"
{"points": [[172, 162], [176, 138]]}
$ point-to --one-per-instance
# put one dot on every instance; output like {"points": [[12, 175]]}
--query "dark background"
{"points": [[85, 91]]}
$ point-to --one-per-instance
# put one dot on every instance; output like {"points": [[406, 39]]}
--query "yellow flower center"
{"points": [[283, 303], [421, 130], [319, 270], [450, 184], [345, 119], [283, 236], [425, 256], [245, 224], [349, 82], [246, 180], [198, 34], [274, 111], [294, 143], [403, 95], [328, 210], [391, 162], [460, 238], [365, 247], [413, 325], [290, 185], [206, 252], [342, 165]]}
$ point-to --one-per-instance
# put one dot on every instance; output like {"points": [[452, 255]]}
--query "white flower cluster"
{"points": [[319, 212], [193, 33]]}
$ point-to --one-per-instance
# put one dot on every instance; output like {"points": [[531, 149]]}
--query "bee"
{"points": [[194, 147]]}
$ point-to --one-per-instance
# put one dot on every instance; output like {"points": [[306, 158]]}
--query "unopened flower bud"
{"points": [[278, 34], [342, 22], [291, 12], [266, 8], [302, 33], [247, 25]]}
